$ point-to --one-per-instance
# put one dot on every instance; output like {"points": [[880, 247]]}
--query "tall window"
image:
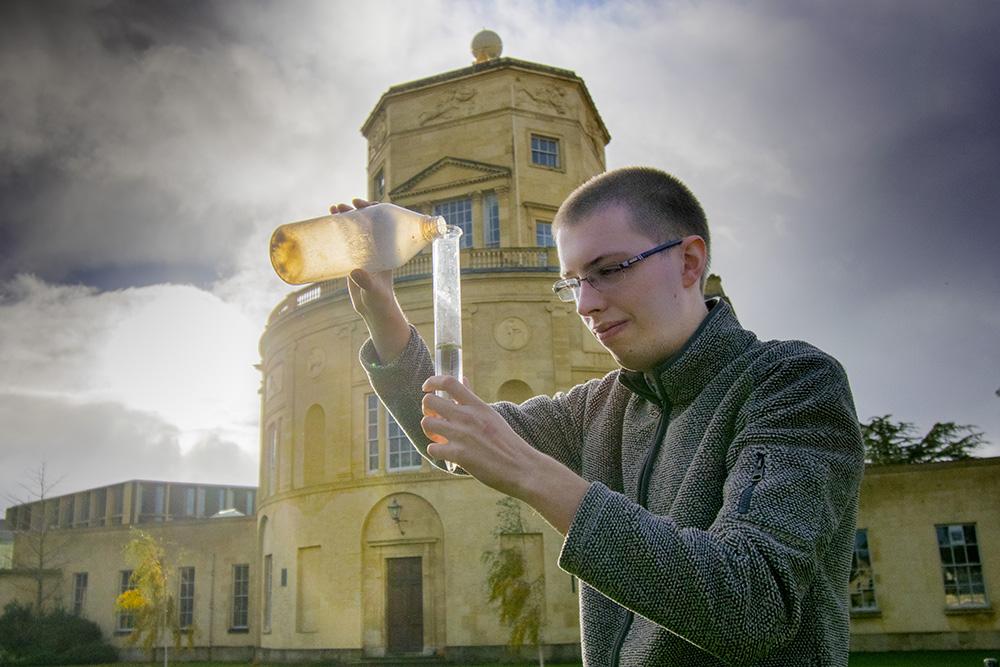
{"points": [[268, 572], [271, 458], [190, 494], [68, 512], [185, 598], [862, 578], [458, 212], [84, 517], [545, 151], [153, 504], [402, 454], [491, 221], [241, 596], [79, 592], [126, 620], [378, 185], [117, 504], [371, 420], [543, 234], [961, 566]]}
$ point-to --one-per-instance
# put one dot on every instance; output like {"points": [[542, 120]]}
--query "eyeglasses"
{"points": [[568, 289]]}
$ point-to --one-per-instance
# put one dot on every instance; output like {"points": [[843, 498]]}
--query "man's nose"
{"points": [[588, 299]]}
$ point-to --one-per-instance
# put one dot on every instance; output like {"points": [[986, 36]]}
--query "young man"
{"points": [[707, 491]]}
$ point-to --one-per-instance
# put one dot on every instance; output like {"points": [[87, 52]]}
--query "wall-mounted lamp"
{"points": [[394, 509]]}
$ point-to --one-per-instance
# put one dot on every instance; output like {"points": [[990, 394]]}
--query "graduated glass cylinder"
{"points": [[447, 306]]}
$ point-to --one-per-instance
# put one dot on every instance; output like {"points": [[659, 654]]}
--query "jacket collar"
{"points": [[717, 341]]}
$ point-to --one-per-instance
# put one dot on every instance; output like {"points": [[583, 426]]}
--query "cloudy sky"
{"points": [[846, 152]]}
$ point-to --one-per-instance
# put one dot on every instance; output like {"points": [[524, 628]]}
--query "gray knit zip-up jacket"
{"points": [[719, 524]]}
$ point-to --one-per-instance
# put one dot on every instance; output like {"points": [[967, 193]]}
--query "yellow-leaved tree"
{"points": [[519, 597], [148, 600]]}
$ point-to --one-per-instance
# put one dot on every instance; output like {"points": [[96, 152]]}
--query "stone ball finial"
{"points": [[486, 45]]}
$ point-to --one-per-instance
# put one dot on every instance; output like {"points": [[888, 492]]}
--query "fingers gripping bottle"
{"points": [[447, 307], [374, 238]]}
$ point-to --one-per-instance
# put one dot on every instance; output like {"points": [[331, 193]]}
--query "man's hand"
{"points": [[466, 431], [374, 299]]}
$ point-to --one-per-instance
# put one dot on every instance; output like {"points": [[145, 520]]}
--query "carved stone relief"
{"points": [[511, 333], [543, 97], [315, 362], [448, 105], [377, 136]]}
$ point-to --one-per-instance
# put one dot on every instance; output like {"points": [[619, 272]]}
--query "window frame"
{"points": [[185, 597], [451, 207], [396, 438], [541, 225], [268, 580], [373, 452], [970, 566], [125, 621], [241, 598], [80, 582], [491, 220], [862, 551], [378, 185], [540, 153]]}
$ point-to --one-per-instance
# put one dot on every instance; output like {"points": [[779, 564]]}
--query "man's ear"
{"points": [[695, 258]]}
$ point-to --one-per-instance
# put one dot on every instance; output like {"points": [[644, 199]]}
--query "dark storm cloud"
{"points": [[117, 119]]}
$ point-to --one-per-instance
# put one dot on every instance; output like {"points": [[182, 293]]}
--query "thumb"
{"points": [[362, 279]]}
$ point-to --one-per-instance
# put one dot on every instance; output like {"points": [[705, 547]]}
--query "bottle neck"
{"points": [[433, 227]]}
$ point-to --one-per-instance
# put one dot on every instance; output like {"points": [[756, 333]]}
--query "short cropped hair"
{"points": [[662, 207]]}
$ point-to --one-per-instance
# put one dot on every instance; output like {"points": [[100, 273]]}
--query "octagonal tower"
{"points": [[366, 549]]}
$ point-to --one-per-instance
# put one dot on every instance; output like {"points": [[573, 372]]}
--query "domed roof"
{"points": [[486, 45]]}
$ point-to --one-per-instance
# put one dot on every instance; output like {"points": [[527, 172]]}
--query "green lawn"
{"points": [[923, 659], [919, 659]]}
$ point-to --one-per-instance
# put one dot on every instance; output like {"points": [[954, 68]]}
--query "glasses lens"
{"points": [[606, 277], [566, 290]]}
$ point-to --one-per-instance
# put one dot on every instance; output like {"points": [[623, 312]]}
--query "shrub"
{"points": [[50, 638]]}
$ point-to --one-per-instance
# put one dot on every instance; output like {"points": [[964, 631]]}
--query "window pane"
{"points": [[961, 568], [543, 234], [126, 620], [371, 412], [545, 151], [186, 597], [491, 221], [79, 592], [458, 212], [241, 596], [862, 583], [268, 571], [402, 453]]}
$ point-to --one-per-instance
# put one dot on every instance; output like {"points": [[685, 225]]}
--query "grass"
{"points": [[899, 659], [923, 659]]}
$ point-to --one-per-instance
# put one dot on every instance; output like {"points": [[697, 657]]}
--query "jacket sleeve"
{"points": [[550, 424], [737, 589]]}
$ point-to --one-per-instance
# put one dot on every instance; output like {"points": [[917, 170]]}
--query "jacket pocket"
{"points": [[758, 474]]}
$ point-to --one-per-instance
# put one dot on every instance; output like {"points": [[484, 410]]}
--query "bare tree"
{"points": [[39, 548]]}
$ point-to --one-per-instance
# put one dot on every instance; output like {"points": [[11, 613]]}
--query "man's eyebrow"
{"points": [[601, 259]]}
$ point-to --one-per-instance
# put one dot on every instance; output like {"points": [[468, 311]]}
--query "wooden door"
{"points": [[405, 605]]}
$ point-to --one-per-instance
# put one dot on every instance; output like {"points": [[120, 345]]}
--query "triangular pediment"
{"points": [[449, 172]]}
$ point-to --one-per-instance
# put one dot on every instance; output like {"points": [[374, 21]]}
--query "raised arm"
{"points": [[374, 299]]}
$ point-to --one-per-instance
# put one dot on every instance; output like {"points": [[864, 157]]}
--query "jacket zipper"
{"points": [[758, 474], [647, 472]]}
